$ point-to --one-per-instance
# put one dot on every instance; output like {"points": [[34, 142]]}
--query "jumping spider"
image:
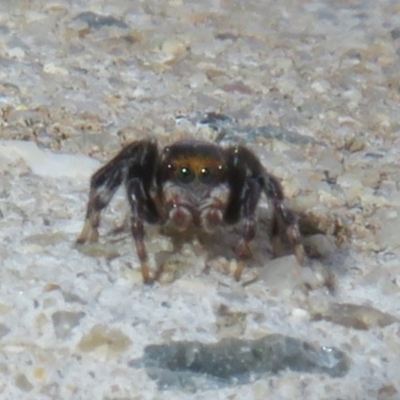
{"points": [[193, 184]]}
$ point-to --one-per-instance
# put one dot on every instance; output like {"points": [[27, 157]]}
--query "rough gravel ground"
{"points": [[78, 79]]}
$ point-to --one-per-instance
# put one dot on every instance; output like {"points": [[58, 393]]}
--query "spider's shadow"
{"points": [[269, 242]]}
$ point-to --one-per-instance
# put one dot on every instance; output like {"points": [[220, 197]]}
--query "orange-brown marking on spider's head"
{"points": [[197, 163], [194, 161], [205, 169], [197, 167]]}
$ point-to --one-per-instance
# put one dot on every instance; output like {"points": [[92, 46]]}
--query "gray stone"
{"points": [[236, 361], [97, 21]]}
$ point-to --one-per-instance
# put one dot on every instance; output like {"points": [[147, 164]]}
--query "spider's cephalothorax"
{"points": [[189, 184]]}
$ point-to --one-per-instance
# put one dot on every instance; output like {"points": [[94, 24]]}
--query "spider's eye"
{"points": [[206, 176], [186, 175]]}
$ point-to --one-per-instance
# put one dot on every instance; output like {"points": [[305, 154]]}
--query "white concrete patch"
{"points": [[45, 163]]}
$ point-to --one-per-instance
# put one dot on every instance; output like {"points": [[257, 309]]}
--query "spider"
{"points": [[189, 184]]}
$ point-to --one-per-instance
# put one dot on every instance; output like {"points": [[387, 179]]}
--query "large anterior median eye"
{"points": [[206, 176], [186, 175]]}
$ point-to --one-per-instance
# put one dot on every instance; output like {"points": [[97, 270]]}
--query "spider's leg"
{"points": [[284, 217], [251, 196], [142, 209], [138, 182], [245, 194], [104, 184], [248, 178]]}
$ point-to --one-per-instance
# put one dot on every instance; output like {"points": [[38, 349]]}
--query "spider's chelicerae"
{"points": [[189, 184]]}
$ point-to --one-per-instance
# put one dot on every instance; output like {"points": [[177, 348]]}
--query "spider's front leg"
{"points": [[284, 218], [251, 196], [142, 209], [243, 172], [134, 166], [103, 185], [248, 179]]}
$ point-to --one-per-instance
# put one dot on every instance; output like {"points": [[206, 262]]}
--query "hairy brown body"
{"points": [[189, 184]]}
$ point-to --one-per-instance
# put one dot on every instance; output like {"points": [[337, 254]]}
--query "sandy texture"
{"points": [[312, 86]]}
